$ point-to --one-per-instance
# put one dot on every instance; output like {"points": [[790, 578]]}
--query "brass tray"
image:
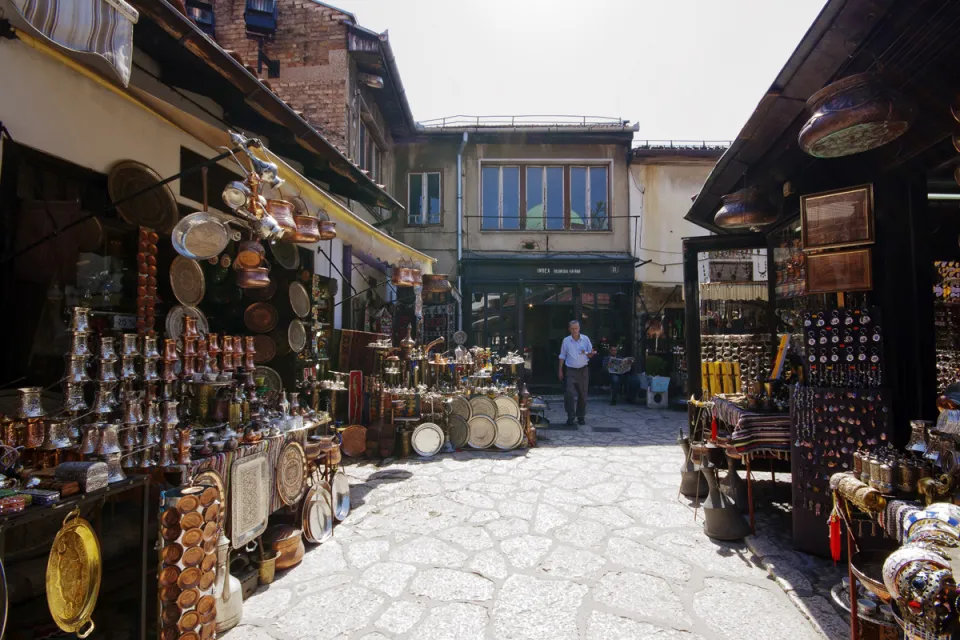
{"points": [[291, 473], [187, 282], [317, 517], [73, 575], [249, 499], [460, 406]]}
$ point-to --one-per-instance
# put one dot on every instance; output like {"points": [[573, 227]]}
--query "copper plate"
{"points": [[210, 545], [186, 280], [192, 538], [155, 208], [191, 520], [482, 432], [188, 598], [193, 556], [266, 349], [187, 504], [170, 533], [169, 594], [189, 578], [209, 561], [172, 553], [212, 513], [174, 322], [210, 531], [208, 631], [291, 472], [190, 635], [207, 580], [209, 496], [214, 479], [170, 633], [168, 576], [170, 615], [507, 406], [260, 317], [206, 605], [264, 293], [190, 620], [286, 255], [209, 616], [299, 299], [170, 518], [354, 439]]}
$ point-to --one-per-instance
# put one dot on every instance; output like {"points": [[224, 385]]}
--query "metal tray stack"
{"points": [[189, 532]]}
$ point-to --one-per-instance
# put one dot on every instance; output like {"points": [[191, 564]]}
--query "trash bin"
{"points": [[657, 393]]}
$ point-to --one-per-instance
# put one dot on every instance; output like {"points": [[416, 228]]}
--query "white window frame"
{"points": [[424, 217], [500, 168], [587, 208]]}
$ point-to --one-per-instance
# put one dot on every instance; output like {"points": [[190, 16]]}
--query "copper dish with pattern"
{"points": [[291, 473], [73, 577]]}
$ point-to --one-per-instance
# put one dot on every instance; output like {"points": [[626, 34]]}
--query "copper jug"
{"points": [[56, 436], [128, 369], [108, 349], [226, 362], [79, 344], [76, 370], [189, 368], [150, 347], [168, 434], [150, 437], [213, 344], [251, 347], [227, 345], [132, 408], [282, 212], [114, 472], [150, 370], [169, 372], [170, 350], [91, 439], [128, 437], [166, 456], [108, 370], [201, 347], [108, 441], [170, 412], [74, 398], [190, 347], [103, 402], [190, 327], [130, 348], [30, 404], [80, 319], [249, 362], [146, 459]]}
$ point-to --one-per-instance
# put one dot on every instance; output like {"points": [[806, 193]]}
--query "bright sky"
{"points": [[683, 69]]}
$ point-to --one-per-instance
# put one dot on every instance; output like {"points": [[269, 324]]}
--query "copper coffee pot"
{"points": [[150, 347], [91, 439], [80, 344], [108, 349], [76, 370], [108, 370], [80, 319], [108, 442], [130, 347]]}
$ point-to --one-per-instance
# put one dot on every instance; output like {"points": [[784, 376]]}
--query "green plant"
{"points": [[657, 366]]}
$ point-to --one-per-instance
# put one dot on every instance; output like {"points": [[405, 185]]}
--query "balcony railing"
{"points": [[518, 121]]}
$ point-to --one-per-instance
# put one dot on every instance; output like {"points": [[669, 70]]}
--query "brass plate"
{"points": [[193, 556], [169, 594], [188, 502], [507, 406], [509, 433], [483, 406], [172, 553], [189, 578], [209, 562], [186, 280], [74, 571], [260, 317], [212, 513], [155, 209], [271, 379], [210, 531], [207, 580], [460, 406], [291, 473], [170, 518], [459, 431], [189, 621], [168, 576], [482, 432], [191, 520], [209, 496]]}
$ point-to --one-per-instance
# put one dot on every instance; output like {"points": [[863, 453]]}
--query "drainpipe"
{"points": [[463, 143]]}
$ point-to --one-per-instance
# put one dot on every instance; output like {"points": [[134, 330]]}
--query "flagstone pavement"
{"points": [[582, 537]]}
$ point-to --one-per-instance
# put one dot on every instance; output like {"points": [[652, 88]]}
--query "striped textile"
{"points": [[754, 433], [99, 28]]}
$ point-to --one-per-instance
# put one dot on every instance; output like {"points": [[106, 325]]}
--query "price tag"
{"points": [[123, 322]]}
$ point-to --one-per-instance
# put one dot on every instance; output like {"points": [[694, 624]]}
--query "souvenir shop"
{"points": [[167, 436], [846, 177]]}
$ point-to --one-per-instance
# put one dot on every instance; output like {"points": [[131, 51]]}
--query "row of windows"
{"points": [[529, 197]]}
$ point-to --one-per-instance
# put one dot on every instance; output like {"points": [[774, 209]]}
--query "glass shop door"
{"points": [[548, 310]]}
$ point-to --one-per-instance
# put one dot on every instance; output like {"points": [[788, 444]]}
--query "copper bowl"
{"points": [[258, 278], [207, 580], [308, 230], [170, 593], [250, 255], [328, 230], [191, 520], [170, 518], [282, 211], [192, 538], [171, 553], [189, 578], [187, 504]]}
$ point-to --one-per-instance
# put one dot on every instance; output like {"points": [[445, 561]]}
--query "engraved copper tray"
{"points": [[73, 575], [249, 499], [291, 473]]}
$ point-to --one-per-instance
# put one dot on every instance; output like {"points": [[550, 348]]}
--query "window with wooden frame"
{"points": [[423, 198], [545, 197], [370, 156]]}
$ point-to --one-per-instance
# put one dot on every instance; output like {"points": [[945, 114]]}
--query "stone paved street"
{"points": [[580, 538]]}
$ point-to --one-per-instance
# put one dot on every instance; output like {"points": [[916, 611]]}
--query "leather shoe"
{"points": [[570, 422], [581, 421]]}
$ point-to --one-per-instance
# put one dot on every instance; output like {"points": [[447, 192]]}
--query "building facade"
{"points": [[531, 222]]}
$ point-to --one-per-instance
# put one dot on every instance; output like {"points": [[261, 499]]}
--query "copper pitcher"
{"points": [[150, 370], [30, 404], [250, 254], [103, 402], [166, 456], [91, 439], [189, 347], [150, 347], [251, 347], [190, 327], [108, 370], [132, 408], [201, 347], [56, 436], [213, 344], [80, 319], [149, 436], [170, 350], [109, 440], [170, 412], [169, 372], [282, 212]]}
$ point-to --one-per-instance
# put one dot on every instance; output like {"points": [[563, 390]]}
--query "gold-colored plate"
{"points": [[291, 473], [73, 575]]}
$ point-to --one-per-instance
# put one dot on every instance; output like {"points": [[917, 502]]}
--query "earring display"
{"points": [[843, 348]]}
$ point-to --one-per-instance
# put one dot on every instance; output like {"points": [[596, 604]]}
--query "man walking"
{"points": [[575, 354]]}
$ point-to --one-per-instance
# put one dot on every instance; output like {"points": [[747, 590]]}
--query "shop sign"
{"points": [[507, 270]]}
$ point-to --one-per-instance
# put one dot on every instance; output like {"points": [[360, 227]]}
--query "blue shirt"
{"points": [[574, 352]]}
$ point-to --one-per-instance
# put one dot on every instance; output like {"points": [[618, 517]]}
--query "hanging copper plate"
{"points": [[286, 255], [212, 513], [192, 538], [170, 615], [169, 594], [214, 479], [168, 576], [291, 473], [189, 578], [354, 440], [188, 598], [172, 553], [189, 621], [186, 280], [260, 317], [210, 531], [170, 518], [266, 349], [296, 336], [73, 575], [193, 556], [191, 520], [188, 502], [170, 534], [207, 580], [209, 496], [209, 561], [155, 209], [206, 605]]}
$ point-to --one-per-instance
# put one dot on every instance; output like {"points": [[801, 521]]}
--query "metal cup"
{"points": [[30, 404], [80, 319], [108, 370], [130, 345], [150, 347], [80, 343], [76, 370], [109, 439], [74, 398], [56, 436], [91, 439], [108, 349]]}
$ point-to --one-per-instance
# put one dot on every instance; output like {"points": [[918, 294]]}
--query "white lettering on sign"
{"points": [[558, 271]]}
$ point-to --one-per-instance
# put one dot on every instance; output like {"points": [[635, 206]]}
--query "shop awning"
{"points": [[98, 33]]}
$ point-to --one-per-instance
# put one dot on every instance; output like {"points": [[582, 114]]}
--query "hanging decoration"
{"points": [[747, 208]]}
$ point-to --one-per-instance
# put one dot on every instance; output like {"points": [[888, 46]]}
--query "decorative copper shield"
{"points": [[260, 317]]}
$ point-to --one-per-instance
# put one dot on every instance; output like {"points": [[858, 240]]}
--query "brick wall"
{"points": [[311, 46]]}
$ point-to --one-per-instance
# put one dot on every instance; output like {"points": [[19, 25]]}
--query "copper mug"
{"points": [[91, 439], [74, 398], [282, 212], [109, 440], [308, 230], [150, 347], [170, 412], [189, 347], [190, 327], [250, 254], [80, 343], [213, 344], [108, 349], [80, 319], [130, 345], [30, 403], [103, 402], [76, 370]]}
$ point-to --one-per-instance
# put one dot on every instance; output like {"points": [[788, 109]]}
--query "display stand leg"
{"points": [[854, 617], [753, 527], [773, 474]]}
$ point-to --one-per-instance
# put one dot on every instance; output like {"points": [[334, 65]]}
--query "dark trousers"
{"points": [[576, 384], [616, 385]]}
